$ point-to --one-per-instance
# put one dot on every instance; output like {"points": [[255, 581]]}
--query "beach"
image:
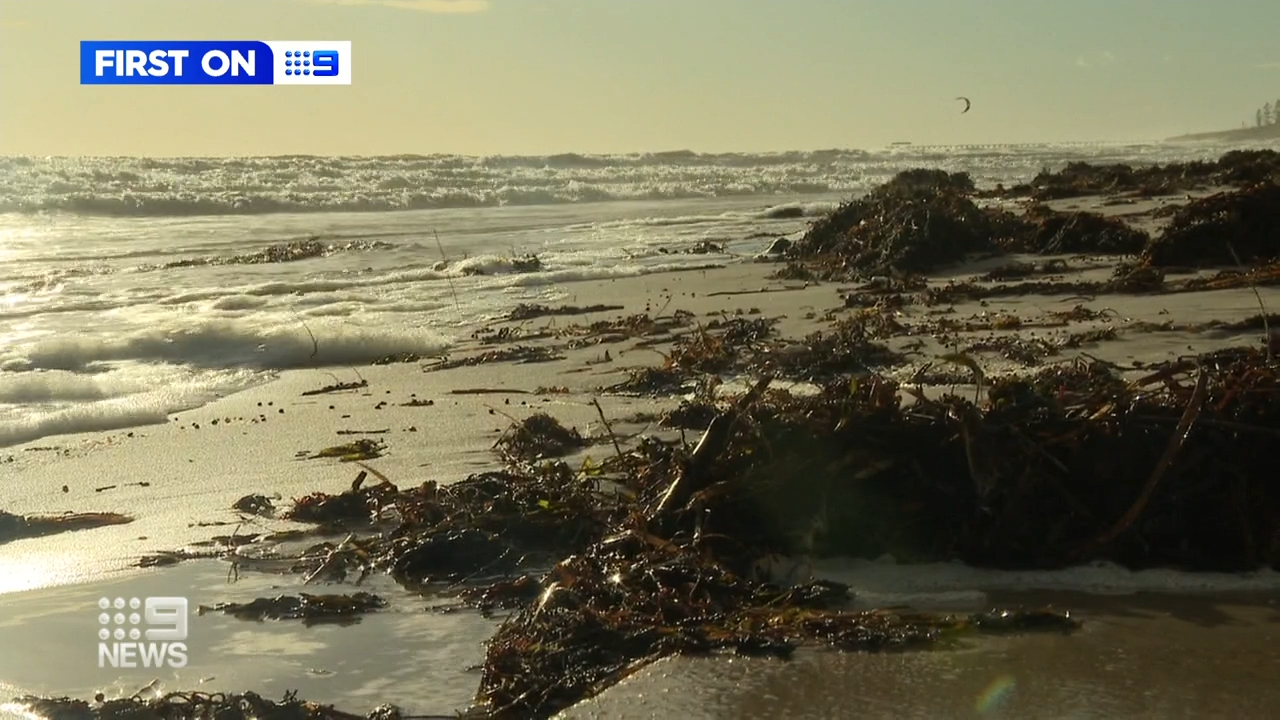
{"points": [[212, 391]]}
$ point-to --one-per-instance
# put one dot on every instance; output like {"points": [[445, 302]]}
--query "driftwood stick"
{"points": [[1189, 416], [694, 472]]}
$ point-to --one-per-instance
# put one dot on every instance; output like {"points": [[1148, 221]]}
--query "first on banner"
{"points": [[206, 62]]}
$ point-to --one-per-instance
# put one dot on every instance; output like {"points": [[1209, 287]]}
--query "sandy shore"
{"points": [[1143, 656], [179, 481]]}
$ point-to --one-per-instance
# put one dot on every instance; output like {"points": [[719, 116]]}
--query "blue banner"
{"points": [[179, 62]]}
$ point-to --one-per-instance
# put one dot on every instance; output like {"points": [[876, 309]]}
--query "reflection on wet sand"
{"points": [[1138, 656]]}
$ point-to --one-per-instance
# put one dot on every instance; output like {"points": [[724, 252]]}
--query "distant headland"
{"points": [[1266, 127]]}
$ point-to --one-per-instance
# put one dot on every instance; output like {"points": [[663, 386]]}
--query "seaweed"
{"points": [[19, 527], [1077, 179], [1053, 233], [311, 609], [916, 222], [197, 706], [517, 354], [537, 437], [1223, 229], [528, 311]]}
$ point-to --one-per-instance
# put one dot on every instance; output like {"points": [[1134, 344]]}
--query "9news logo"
{"points": [[309, 63], [325, 63]]}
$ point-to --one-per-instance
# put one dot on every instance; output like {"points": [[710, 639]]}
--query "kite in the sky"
{"points": [[966, 104]]}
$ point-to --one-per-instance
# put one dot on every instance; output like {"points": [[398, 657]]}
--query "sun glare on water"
{"points": [[19, 574], [13, 238]]}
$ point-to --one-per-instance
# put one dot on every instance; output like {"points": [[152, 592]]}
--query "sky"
{"points": [[483, 77]]}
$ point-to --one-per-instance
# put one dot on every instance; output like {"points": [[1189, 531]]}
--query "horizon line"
{"points": [[632, 153]]}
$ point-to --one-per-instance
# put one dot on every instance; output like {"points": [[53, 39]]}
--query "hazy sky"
{"points": [[546, 76]]}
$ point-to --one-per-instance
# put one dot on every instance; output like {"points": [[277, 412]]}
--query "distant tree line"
{"points": [[1269, 114]]}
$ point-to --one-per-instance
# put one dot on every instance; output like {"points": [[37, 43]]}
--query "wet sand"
{"points": [[179, 480], [1142, 656], [403, 654]]}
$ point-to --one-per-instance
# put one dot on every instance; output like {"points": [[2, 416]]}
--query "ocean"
{"points": [[133, 288]]}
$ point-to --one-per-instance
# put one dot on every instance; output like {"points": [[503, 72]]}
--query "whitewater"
{"points": [[133, 288]]}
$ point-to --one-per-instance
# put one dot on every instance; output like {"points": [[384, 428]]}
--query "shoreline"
{"points": [[271, 439]]}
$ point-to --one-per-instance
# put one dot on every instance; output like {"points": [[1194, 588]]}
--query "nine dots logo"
{"points": [[160, 621], [296, 63], [119, 619]]}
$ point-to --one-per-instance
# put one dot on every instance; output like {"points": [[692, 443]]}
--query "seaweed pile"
{"points": [[1058, 233], [923, 220], [1241, 226], [1237, 167], [919, 220], [665, 548], [741, 345]]}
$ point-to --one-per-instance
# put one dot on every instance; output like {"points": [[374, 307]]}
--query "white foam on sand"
{"points": [[225, 343], [57, 402], [58, 384]]}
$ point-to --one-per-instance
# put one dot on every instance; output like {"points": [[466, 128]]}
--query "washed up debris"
{"points": [[198, 706], [1241, 226], [650, 381], [705, 247], [1053, 233], [693, 414], [363, 449], [488, 524], [525, 263], [281, 253], [638, 325], [398, 358], [743, 345], [260, 505], [604, 614], [360, 503], [846, 348], [539, 436], [173, 557], [918, 221], [529, 311], [104, 488], [1027, 351], [1077, 179], [758, 291], [1125, 279], [338, 387], [311, 609], [1024, 270], [518, 354], [503, 594], [924, 220], [21, 527]]}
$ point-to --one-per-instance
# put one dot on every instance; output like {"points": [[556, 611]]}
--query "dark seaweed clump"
{"points": [[1237, 168], [1231, 228], [918, 221]]}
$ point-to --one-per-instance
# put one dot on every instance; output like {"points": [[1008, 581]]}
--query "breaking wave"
{"points": [[134, 187], [218, 344]]}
